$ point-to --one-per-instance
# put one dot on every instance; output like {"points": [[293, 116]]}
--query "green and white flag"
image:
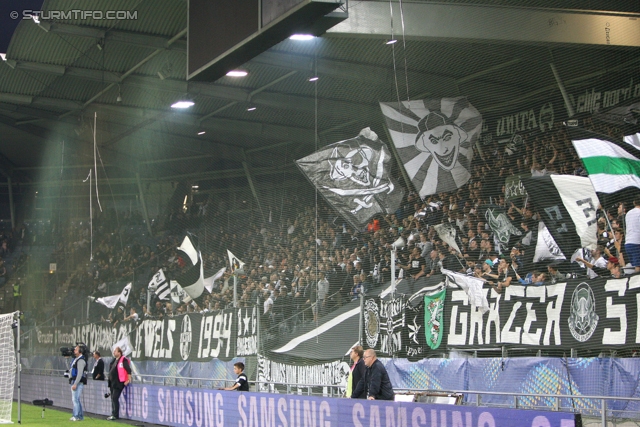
{"points": [[612, 165], [434, 318]]}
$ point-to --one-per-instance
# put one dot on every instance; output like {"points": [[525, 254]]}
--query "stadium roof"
{"points": [[58, 75]]}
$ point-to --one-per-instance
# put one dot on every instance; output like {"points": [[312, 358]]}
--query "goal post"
{"points": [[8, 363]]}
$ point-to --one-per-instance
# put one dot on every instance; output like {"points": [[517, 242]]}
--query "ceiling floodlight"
{"points": [[302, 37], [36, 18], [314, 79], [181, 105], [392, 41], [237, 73], [3, 56], [251, 109], [201, 132]]}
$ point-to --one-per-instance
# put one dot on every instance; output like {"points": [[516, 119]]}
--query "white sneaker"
{"points": [[73, 419]]}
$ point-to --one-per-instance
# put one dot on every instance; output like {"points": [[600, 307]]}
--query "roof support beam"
{"points": [[259, 96], [458, 22], [126, 37]]}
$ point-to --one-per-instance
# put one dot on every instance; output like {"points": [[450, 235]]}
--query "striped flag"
{"points": [[160, 285], [612, 165]]}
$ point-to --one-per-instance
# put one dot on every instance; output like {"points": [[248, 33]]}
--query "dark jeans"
{"points": [[115, 401]]}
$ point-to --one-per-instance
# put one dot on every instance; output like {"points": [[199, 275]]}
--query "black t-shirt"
{"points": [[416, 264], [243, 381]]}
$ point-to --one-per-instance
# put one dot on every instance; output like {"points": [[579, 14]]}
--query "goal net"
{"points": [[7, 366]]}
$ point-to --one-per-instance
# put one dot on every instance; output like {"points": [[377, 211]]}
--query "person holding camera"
{"points": [[119, 378], [78, 379]]}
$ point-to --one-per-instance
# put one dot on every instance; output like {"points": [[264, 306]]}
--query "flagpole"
{"points": [[393, 271], [235, 290]]}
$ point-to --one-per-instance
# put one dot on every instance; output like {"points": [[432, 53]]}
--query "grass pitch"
{"points": [[32, 416]]}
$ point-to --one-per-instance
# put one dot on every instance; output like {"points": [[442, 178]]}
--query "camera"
{"points": [[107, 395], [66, 374], [66, 351]]}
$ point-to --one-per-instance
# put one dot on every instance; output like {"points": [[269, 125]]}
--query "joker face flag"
{"points": [[434, 139], [354, 177]]}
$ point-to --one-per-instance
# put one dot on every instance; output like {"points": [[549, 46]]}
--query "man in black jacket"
{"points": [[98, 367], [357, 369], [376, 384]]}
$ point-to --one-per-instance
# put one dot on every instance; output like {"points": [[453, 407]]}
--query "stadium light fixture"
{"points": [[302, 37], [201, 132], [314, 79], [392, 41], [182, 104], [251, 109], [237, 73]]}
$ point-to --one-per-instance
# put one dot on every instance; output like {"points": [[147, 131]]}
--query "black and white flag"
{"points": [[354, 177], [501, 225], [113, 300], [178, 294], [234, 262], [192, 278], [568, 207], [434, 139], [160, 286]]}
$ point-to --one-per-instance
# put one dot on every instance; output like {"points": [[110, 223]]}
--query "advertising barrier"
{"points": [[211, 408]]}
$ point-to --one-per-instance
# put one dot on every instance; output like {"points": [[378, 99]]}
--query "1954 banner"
{"points": [[195, 337], [593, 314]]}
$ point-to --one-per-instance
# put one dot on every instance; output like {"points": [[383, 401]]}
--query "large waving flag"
{"points": [[612, 164], [434, 139], [568, 207], [192, 279], [354, 176], [113, 300]]}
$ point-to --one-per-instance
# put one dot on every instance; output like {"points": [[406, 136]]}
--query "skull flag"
{"points": [[434, 140], [354, 177]]}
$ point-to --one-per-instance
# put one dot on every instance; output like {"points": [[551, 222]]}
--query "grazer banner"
{"points": [[191, 337], [581, 314], [596, 314]]}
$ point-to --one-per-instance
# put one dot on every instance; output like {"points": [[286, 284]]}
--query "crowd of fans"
{"points": [[310, 262]]}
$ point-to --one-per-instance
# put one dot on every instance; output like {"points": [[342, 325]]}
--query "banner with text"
{"points": [[593, 314], [223, 334]]}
